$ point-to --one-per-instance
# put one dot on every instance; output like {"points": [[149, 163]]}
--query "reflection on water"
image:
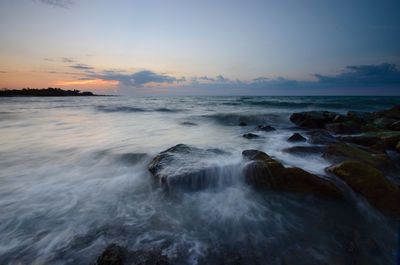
{"points": [[74, 178]]}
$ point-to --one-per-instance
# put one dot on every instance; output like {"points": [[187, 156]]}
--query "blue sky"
{"points": [[202, 47]]}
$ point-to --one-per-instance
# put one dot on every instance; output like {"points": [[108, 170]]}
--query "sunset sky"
{"points": [[217, 47]]}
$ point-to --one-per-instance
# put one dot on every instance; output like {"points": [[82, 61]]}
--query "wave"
{"points": [[119, 109], [233, 119], [133, 109]]}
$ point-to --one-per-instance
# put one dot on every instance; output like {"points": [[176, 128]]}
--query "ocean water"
{"points": [[74, 178]]}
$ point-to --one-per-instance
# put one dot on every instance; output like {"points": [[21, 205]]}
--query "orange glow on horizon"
{"points": [[94, 82]]}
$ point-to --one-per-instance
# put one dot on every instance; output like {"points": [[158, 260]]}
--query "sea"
{"points": [[74, 178]]}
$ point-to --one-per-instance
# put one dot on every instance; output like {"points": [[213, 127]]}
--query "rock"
{"points": [[265, 128], [370, 183], [267, 173], [376, 140], [360, 116], [347, 127], [151, 257], [321, 137], [342, 151], [398, 147], [395, 126], [393, 113], [383, 122], [186, 167], [242, 123], [189, 123], [313, 119], [301, 150], [112, 255], [296, 137], [250, 135]]}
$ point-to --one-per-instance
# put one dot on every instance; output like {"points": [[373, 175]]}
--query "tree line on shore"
{"points": [[42, 92]]}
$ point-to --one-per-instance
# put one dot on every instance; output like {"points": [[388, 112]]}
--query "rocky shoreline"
{"points": [[363, 149]]}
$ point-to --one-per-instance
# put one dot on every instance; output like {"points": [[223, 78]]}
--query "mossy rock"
{"points": [[370, 183], [266, 173], [342, 151]]}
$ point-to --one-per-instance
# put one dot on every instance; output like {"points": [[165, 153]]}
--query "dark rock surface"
{"points": [[297, 137], [313, 119], [112, 255], [250, 135], [370, 183], [267, 173], [265, 128], [186, 167]]}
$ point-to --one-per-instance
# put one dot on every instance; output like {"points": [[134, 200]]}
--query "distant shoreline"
{"points": [[46, 92]]}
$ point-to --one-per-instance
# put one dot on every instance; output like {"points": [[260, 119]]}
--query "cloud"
{"points": [[58, 3], [363, 75], [137, 79], [83, 67], [67, 60]]}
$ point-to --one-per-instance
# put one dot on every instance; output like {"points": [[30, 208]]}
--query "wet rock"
{"points": [[360, 116], [383, 122], [250, 135], [321, 137], [112, 255], [392, 113], [370, 183], [296, 137], [347, 127], [342, 151], [151, 257], [267, 173], [301, 150], [395, 126], [186, 167], [242, 123], [398, 147], [189, 123], [265, 128], [380, 140], [313, 119]]}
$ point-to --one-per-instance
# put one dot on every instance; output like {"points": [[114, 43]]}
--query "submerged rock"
{"points": [[187, 167], [313, 119], [307, 149], [370, 183], [265, 128], [296, 137], [321, 137], [250, 135], [112, 255], [342, 151], [117, 255], [265, 172], [242, 123]]}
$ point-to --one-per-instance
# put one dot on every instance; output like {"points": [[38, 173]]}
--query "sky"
{"points": [[207, 47]]}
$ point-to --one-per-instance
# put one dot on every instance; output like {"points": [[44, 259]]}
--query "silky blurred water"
{"points": [[74, 178]]}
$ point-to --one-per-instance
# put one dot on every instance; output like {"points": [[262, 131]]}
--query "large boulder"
{"points": [[321, 137], [380, 140], [342, 151], [392, 113], [187, 167], [370, 183], [264, 172], [313, 119], [345, 127]]}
